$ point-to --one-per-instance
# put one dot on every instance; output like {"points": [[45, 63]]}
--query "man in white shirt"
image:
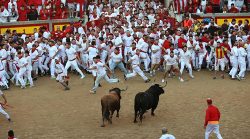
{"points": [[72, 57], [143, 47], [4, 13], [170, 62], [234, 61], [242, 62], [2, 106], [127, 39], [117, 61], [61, 74], [22, 64], [53, 51], [248, 53], [135, 63], [155, 57], [165, 135], [103, 50], [185, 60], [101, 73]]}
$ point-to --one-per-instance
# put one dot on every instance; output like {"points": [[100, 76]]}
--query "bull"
{"points": [[111, 103], [147, 100]]}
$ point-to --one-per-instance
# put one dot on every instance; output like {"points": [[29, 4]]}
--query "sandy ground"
{"points": [[48, 112]]}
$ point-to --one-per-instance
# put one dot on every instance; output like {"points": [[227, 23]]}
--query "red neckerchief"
{"points": [[201, 46], [77, 38], [191, 42], [133, 48]]}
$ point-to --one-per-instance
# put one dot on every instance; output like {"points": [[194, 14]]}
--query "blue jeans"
{"points": [[120, 65]]}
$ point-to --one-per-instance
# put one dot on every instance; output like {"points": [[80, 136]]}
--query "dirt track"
{"points": [[48, 112]]}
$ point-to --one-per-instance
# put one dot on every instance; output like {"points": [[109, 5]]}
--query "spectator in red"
{"points": [[181, 41], [62, 12], [22, 12], [79, 7], [233, 9], [20, 3], [212, 120], [57, 34], [43, 13], [187, 22], [53, 12], [216, 6], [244, 9], [209, 8]]}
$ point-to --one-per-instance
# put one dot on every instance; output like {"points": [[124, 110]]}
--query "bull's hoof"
{"points": [[152, 114], [135, 121], [102, 125], [117, 116]]}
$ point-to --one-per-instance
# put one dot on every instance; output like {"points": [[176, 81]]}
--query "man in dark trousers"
{"points": [[212, 120]]}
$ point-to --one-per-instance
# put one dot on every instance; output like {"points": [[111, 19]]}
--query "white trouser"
{"points": [[188, 65], [3, 78], [11, 68], [248, 62], [84, 58], [4, 62], [35, 67], [242, 65], [41, 66], [234, 69], [105, 76], [52, 67], [29, 71], [4, 113], [201, 57], [20, 75], [46, 62], [104, 55], [213, 128], [72, 64], [126, 51], [137, 70], [146, 60]]}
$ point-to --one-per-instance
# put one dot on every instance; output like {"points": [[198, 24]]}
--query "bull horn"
{"points": [[125, 89], [165, 84]]}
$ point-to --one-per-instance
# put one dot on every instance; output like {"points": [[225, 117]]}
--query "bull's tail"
{"points": [[137, 106], [105, 113]]}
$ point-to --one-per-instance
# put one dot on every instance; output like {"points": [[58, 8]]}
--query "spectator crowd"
{"points": [[28, 10]]}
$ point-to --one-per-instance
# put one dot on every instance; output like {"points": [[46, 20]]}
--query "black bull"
{"points": [[147, 100], [111, 103]]}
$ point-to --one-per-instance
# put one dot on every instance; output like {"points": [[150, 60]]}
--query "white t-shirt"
{"points": [[116, 58], [52, 51], [22, 62], [101, 70], [135, 59], [185, 56], [128, 40], [71, 53], [170, 60], [62, 51], [92, 52], [156, 48], [3, 54], [118, 40]]}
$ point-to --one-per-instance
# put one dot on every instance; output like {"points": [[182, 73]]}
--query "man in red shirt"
{"points": [[212, 120], [233, 9]]}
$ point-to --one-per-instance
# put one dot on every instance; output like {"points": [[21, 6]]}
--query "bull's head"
{"points": [[118, 91], [158, 89]]}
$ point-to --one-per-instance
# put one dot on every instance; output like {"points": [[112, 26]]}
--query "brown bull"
{"points": [[111, 103]]}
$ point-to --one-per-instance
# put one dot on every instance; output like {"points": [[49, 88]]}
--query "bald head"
{"points": [[164, 130]]}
